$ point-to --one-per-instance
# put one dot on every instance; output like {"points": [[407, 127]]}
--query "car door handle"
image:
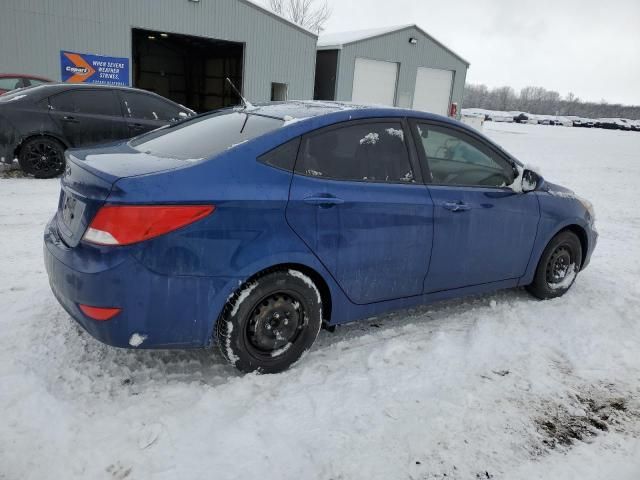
{"points": [[70, 119], [323, 201], [459, 206], [136, 126]]}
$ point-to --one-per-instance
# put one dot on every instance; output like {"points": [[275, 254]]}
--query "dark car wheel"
{"points": [[270, 322], [42, 157], [558, 266]]}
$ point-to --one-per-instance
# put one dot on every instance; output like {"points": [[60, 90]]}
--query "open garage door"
{"points": [[374, 82], [433, 90], [188, 70]]}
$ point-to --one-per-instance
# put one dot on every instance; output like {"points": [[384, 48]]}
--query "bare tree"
{"points": [[310, 14], [542, 101]]}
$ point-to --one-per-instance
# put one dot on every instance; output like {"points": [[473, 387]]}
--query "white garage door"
{"points": [[374, 82], [433, 90]]}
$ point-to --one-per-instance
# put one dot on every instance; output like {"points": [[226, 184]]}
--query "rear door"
{"points": [[146, 112], [483, 231], [374, 82], [357, 202], [88, 116]]}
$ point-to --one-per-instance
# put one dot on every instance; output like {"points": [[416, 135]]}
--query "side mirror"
{"points": [[530, 181]]}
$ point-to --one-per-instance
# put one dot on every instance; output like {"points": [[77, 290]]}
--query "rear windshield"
{"points": [[205, 136]]}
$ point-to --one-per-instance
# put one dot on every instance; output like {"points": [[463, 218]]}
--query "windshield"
{"points": [[205, 136]]}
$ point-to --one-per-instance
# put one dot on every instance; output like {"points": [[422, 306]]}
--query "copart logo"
{"points": [[77, 70]]}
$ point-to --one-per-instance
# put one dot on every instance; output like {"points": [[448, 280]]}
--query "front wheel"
{"points": [[270, 322], [42, 157], [558, 267]]}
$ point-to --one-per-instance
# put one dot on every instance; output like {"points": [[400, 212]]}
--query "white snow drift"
{"points": [[497, 386]]}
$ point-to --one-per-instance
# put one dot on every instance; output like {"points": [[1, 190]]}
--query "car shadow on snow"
{"points": [[118, 368]]}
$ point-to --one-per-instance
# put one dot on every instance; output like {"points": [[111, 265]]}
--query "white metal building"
{"points": [[397, 66]]}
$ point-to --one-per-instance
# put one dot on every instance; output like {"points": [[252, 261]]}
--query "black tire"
{"points": [[558, 266], [42, 157], [270, 322]]}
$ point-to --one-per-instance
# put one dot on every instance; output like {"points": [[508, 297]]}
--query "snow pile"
{"points": [[498, 386], [370, 139]]}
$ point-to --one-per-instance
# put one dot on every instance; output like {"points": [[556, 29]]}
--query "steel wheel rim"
{"points": [[559, 265], [275, 323]]}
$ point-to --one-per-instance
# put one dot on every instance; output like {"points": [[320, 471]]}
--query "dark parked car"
{"points": [[12, 81], [521, 118], [253, 227], [38, 124]]}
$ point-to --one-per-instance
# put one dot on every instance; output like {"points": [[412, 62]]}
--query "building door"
{"points": [[374, 82], [433, 90]]}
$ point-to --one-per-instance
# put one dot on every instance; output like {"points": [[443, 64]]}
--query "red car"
{"points": [[11, 81]]}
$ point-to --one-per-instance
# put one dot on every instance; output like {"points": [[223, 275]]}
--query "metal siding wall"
{"points": [[32, 33], [395, 47]]}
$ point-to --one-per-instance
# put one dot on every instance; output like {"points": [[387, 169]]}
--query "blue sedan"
{"points": [[254, 227]]}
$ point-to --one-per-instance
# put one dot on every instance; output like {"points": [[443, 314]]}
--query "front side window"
{"points": [[372, 152], [148, 107], [91, 102], [455, 159], [205, 136]]}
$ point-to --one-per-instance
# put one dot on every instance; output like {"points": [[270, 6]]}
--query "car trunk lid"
{"points": [[89, 179]]}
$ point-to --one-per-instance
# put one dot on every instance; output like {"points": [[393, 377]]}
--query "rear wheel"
{"points": [[558, 266], [42, 157], [270, 322]]}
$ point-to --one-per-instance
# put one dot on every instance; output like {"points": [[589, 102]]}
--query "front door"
{"points": [[483, 230], [145, 112], [354, 201]]}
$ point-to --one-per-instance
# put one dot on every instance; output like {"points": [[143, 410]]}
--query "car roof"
{"points": [[24, 75], [39, 92], [303, 109]]}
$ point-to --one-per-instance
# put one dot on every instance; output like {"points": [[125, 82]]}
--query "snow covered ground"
{"points": [[499, 386]]}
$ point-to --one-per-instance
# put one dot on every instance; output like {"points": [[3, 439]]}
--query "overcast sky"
{"points": [[588, 47]]}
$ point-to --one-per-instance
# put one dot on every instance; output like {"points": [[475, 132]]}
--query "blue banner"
{"points": [[87, 68]]}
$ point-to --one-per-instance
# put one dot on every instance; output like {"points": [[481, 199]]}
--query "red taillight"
{"points": [[99, 313], [127, 224]]}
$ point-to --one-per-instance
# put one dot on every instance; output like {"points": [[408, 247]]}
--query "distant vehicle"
{"points": [[583, 122], [627, 124], [250, 228], [612, 124], [13, 81], [521, 118], [37, 124]]}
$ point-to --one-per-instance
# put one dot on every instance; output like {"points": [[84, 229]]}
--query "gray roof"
{"points": [[335, 41]]}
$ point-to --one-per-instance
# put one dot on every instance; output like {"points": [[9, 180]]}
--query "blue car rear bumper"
{"points": [[167, 311]]}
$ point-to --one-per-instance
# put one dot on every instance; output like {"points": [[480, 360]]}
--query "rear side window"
{"points": [[148, 107], [284, 156], [372, 152], [11, 83], [91, 102], [205, 136], [34, 82]]}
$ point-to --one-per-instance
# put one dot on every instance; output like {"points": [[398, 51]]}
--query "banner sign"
{"points": [[87, 68]]}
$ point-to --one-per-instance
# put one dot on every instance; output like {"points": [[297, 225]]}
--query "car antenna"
{"points": [[246, 103]]}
